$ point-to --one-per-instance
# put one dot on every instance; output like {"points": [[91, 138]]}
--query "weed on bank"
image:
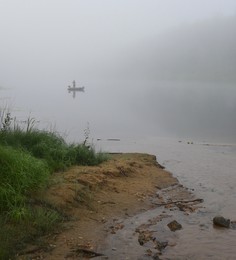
{"points": [[51, 148], [27, 158]]}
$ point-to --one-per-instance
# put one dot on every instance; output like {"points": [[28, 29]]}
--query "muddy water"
{"points": [[208, 170]]}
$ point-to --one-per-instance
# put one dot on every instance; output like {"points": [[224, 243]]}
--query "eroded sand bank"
{"points": [[98, 200]]}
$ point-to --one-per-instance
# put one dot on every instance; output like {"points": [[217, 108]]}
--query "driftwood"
{"points": [[84, 252], [179, 201]]}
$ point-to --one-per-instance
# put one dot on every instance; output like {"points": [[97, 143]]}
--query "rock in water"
{"points": [[174, 225], [221, 221]]}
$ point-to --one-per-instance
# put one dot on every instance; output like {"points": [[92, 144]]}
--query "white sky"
{"points": [[59, 35]]}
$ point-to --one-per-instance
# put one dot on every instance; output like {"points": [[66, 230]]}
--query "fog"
{"points": [[149, 68]]}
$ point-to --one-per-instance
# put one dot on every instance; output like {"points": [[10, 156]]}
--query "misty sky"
{"points": [[107, 46]]}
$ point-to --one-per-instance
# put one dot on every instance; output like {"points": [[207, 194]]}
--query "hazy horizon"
{"points": [[149, 68]]}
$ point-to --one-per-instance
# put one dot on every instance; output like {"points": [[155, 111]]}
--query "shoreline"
{"points": [[99, 199]]}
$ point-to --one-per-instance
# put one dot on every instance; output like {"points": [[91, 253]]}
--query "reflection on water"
{"points": [[75, 89], [210, 171]]}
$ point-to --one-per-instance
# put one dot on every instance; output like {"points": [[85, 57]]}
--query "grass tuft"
{"points": [[20, 174], [27, 158], [41, 144], [45, 220], [86, 155], [52, 148]]}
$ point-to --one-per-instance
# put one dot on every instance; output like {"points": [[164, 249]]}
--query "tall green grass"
{"points": [[27, 158], [85, 155], [20, 174], [41, 144], [52, 148]]}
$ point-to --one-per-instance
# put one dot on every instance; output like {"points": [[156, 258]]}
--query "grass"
{"points": [[27, 158], [51, 148], [84, 155], [14, 235], [20, 173]]}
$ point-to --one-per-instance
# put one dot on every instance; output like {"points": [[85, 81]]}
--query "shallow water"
{"points": [[210, 170]]}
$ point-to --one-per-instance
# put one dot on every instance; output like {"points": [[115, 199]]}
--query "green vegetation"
{"points": [[51, 148], [20, 173], [27, 158]]}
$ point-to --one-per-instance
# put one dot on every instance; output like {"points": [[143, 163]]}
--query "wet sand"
{"points": [[105, 206]]}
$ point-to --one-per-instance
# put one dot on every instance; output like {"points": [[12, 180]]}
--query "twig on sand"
{"points": [[108, 202], [84, 252], [178, 201]]}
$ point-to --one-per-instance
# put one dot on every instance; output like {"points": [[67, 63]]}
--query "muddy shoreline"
{"points": [[105, 205]]}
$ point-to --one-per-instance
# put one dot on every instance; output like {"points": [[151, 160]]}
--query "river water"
{"points": [[209, 170]]}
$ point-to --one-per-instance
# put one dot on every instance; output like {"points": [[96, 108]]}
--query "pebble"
{"points": [[221, 221], [174, 225]]}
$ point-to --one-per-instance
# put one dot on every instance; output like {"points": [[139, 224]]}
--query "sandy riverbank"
{"points": [[94, 197]]}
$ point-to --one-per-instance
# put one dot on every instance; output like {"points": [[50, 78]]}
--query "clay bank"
{"points": [[128, 207]]}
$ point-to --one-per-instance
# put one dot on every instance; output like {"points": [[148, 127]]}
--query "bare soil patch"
{"points": [[90, 196]]}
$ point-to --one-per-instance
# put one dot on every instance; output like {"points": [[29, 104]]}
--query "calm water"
{"points": [[208, 169], [126, 108]]}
